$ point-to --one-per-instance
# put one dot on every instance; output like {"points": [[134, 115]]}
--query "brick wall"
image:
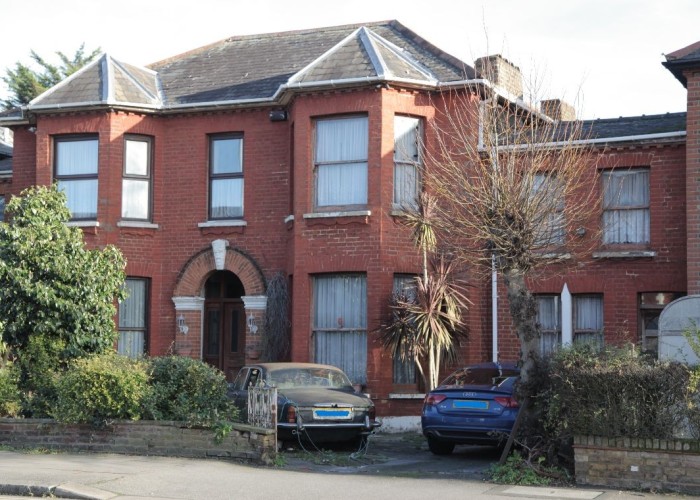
{"points": [[648, 464], [140, 438], [692, 184]]}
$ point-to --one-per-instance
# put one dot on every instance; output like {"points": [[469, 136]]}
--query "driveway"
{"points": [[403, 454]]}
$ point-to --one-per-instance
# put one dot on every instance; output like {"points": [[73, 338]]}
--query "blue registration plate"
{"points": [[471, 405], [338, 414]]}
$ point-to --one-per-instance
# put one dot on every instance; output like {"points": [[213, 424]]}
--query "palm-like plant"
{"points": [[426, 319]]}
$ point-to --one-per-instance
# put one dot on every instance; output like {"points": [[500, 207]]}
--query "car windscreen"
{"points": [[308, 377], [479, 376]]}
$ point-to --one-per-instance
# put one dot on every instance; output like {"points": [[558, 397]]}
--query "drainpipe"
{"points": [[494, 308]]}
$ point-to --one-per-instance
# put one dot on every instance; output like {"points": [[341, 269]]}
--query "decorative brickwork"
{"points": [[648, 464]]}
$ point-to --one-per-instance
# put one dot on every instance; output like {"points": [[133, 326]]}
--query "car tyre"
{"points": [[440, 447]]}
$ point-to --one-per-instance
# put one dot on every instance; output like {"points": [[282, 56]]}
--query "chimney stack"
{"points": [[502, 73], [558, 110]]}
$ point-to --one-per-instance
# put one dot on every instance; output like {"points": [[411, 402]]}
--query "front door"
{"points": [[224, 324]]}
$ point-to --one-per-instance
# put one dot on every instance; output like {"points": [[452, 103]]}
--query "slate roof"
{"points": [[687, 57], [260, 68], [635, 126]]}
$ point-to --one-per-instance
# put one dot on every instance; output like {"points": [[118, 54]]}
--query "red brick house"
{"points": [[218, 168]]}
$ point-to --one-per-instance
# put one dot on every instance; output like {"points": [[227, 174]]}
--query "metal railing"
{"points": [[262, 406]]}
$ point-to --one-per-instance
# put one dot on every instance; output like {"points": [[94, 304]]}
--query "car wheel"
{"points": [[440, 447]]}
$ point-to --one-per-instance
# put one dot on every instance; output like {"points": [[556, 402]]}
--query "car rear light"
{"points": [[433, 399], [292, 414], [506, 401], [372, 413]]}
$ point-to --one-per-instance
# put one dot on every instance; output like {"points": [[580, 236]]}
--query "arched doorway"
{"points": [[223, 340]]}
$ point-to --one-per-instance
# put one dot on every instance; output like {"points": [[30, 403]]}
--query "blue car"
{"points": [[474, 405]]}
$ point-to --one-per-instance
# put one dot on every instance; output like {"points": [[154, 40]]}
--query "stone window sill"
{"points": [[328, 215], [137, 224], [223, 223], [83, 223], [624, 254], [400, 395]]}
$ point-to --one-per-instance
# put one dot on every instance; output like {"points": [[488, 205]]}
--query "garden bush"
{"points": [[101, 388], [10, 402], [39, 364], [188, 390], [614, 393]]}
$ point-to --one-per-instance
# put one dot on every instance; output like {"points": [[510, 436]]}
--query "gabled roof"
{"points": [[259, 69], [687, 57]]}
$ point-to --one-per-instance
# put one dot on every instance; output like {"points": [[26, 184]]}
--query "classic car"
{"points": [[314, 402]]}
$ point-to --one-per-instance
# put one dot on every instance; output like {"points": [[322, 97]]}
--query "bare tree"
{"points": [[515, 194]]}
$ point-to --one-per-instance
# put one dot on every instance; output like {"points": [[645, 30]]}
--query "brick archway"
{"points": [[193, 276]]}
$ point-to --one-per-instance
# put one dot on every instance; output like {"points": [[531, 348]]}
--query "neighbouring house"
{"points": [[220, 167]]}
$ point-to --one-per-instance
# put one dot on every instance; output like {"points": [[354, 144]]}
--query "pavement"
{"points": [[393, 466]]}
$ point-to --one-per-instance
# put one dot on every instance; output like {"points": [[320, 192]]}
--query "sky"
{"points": [[603, 56]]}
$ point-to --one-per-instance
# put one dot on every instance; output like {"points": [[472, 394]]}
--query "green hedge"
{"points": [[188, 390], [615, 393], [102, 388]]}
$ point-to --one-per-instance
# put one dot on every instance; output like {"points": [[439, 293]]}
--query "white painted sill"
{"points": [[351, 213], [223, 223], [137, 224]]}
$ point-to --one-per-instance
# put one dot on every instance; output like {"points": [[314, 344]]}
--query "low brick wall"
{"points": [[140, 438], [647, 464]]}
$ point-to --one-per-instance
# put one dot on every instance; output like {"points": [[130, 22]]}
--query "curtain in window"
{"points": [[340, 323], [341, 159], [626, 206], [405, 370], [406, 160], [226, 198], [135, 199], [81, 197], [76, 157], [549, 319], [549, 218], [588, 320], [132, 319]]}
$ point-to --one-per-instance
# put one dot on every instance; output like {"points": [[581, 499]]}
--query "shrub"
{"points": [[101, 388], [39, 364], [10, 402], [188, 390], [614, 393]]}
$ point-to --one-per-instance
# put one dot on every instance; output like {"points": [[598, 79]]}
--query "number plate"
{"points": [[471, 405], [332, 414]]}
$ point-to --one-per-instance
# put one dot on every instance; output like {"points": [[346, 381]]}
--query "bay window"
{"points": [[136, 181], [407, 162], [75, 170], [340, 162], [340, 323], [133, 319]]}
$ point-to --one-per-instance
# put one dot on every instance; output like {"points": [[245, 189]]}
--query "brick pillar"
{"points": [[255, 306], [188, 326]]}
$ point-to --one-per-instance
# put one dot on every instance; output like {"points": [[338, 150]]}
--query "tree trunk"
{"points": [[523, 313]]}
